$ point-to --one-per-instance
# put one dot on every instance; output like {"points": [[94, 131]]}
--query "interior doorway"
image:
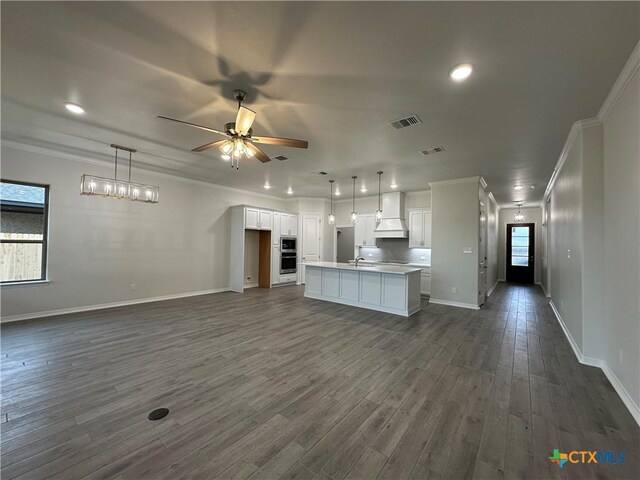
{"points": [[520, 259], [344, 244]]}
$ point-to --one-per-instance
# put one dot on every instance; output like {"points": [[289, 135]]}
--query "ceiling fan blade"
{"points": [[259, 154], [283, 142], [244, 120], [207, 146], [206, 129]]}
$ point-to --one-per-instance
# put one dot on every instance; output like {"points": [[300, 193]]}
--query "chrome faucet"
{"points": [[358, 259]]}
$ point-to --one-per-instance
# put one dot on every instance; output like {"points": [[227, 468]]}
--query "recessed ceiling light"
{"points": [[518, 187], [363, 189], [393, 185], [72, 107], [267, 186], [460, 72], [290, 192], [533, 186]]}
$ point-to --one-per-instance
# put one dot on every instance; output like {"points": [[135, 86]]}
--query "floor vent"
{"points": [[406, 122], [281, 157], [432, 151]]}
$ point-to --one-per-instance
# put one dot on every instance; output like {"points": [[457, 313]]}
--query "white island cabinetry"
{"points": [[390, 289]]}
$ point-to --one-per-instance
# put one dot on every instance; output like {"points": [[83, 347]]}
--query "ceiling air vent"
{"points": [[406, 122], [281, 157], [433, 150]]}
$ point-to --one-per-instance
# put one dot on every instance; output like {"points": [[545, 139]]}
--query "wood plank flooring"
{"points": [[272, 385]]}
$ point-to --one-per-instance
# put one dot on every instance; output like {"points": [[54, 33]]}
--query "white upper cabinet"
{"points": [[266, 219], [364, 230], [251, 218], [288, 225], [257, 219], [419, 228]]}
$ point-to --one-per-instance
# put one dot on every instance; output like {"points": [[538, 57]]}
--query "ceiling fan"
{"points": [[239, 139]]}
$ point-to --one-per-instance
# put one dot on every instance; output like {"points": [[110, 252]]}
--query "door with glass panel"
{"points": [[520, 252]]}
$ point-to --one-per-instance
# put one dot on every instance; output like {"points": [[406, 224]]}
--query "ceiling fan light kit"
{"points": [[240, 140], [120, 189]]}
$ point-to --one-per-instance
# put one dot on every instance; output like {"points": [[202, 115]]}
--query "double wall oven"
{"points": [[288, 255]]}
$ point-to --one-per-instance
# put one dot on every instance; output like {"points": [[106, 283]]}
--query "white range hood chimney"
{"points": [[392, 224]]}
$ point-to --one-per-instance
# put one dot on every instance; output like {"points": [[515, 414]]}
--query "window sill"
{"points": [[28, 283]]}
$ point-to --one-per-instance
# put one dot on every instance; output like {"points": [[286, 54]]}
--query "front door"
{"points": [[520, 252]]}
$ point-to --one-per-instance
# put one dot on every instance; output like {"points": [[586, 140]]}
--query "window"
{"points": [[23, 231], [519, 246]]}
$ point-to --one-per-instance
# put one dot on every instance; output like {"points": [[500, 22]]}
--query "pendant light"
{"points": [[354, 215], [519, 216], [379, 211], [114, 188], [332, 217]]}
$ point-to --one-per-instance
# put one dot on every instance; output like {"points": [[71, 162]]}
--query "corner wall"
{"points": [[455, 225]]}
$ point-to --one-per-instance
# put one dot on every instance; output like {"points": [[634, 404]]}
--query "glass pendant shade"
{"points": [[354, 215], [332, 217], [518, 217], [379, 211]]}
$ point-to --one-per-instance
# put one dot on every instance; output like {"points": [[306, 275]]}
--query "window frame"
{"points": [[44, 271]]}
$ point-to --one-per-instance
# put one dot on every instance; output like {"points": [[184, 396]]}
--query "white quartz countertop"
{"points": [[401, 264], [365, 267]]}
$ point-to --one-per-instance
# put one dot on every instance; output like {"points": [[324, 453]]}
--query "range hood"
{"points": [[392, 224]]}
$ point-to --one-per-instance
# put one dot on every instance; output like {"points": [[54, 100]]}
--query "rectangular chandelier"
{"points": [[114, 188], [110, 188]]}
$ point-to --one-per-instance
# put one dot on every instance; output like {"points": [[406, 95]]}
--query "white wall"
{"points": [[532, 214], [455, 225], [622, 237], [99, 247], [594, 211]]}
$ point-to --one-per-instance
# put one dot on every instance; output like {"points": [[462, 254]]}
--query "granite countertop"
{"points": [[365, 266]]}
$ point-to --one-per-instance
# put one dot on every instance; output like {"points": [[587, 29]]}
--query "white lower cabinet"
{"points": [[331, 283], [349, 285], [370, 288], [425, 281]]}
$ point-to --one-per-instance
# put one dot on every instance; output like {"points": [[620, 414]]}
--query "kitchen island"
{"points": [[385, 288]]}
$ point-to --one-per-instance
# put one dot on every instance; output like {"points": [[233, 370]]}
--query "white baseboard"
{"points": [[633, 408], [250, 285], [544, 290], [454, 304], [492, 288], [88, 308]]}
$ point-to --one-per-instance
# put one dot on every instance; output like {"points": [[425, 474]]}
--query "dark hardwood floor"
{"points": [[272, 385]]}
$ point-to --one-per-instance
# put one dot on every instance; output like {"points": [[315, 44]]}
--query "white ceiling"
{"points": [[331, 73]]}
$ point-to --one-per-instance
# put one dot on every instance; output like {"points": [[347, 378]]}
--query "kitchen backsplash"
{"points": [[396, 250]]}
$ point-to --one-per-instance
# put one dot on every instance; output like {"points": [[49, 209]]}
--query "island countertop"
{"points": [[396, 269]]}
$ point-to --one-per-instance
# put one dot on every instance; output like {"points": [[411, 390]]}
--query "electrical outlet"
{"points": [[454, 289], [249, 278], [568, 253], [423, 257], [620, 357], [371, 254], [133, 287]]}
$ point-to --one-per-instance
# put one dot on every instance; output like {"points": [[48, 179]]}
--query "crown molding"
{"points": [[25, 147], [627, 73], [455, 180], [576, 128], [483, 182]]}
